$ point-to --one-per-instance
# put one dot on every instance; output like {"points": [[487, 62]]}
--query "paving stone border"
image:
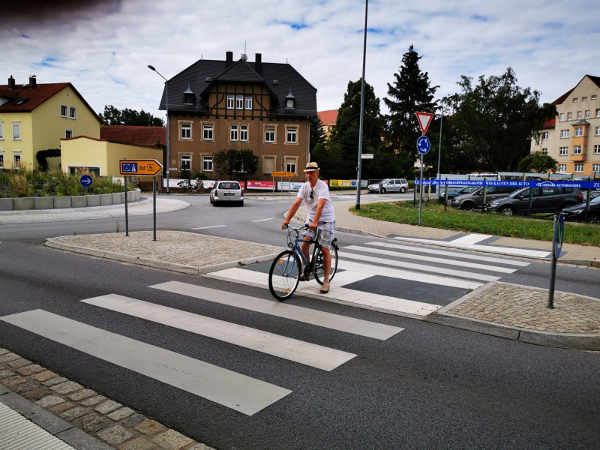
{"points": [[117, 425]]}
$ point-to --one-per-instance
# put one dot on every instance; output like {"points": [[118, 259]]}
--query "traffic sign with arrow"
{"points": [[140, 167]]}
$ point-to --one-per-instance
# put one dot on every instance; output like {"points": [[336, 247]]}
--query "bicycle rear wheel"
{"points": [[284, 275], [319, 270]]}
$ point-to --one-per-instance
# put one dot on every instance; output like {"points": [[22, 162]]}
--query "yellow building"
{"points": [[35, 117], [573, 137]]}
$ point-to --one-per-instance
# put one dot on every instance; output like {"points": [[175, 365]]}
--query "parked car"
{"points": [[389, 185], [475, 199], [545, 199], [577, 212], [227, 192], [454, 191]]}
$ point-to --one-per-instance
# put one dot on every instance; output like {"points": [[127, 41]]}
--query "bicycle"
{"points": [[286, 268]]}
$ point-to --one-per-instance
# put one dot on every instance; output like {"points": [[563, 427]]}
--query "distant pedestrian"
{"points": [[138, 184]]}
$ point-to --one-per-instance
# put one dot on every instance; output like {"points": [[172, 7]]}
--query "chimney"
{"points": [[258, 62], [228, 59], [32, 82], [11, 83]]}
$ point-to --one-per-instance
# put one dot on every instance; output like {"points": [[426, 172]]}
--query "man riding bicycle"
{"points": [[315, 194]]}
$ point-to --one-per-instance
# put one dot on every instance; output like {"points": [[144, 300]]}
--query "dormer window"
{"points": [[21, 101], [290, 100], [188, 96]]}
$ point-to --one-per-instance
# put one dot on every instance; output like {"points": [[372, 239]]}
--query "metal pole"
{"points": [[126, 216], [421, 191], [440, 149], [553, 267], [362, 111], [154, 197], [168, 138]]}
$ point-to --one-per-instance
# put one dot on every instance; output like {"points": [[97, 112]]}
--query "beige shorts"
{"points": [[326, 233]]}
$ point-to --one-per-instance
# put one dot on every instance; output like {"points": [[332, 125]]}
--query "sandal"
{"points": [[324, 288]]}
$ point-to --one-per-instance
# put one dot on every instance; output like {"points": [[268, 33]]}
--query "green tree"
{"points": [[537, 162], [410, 92], [330, 159], [346, 131], [317, 134], [495, 122], [237, 164], [114, 116]]}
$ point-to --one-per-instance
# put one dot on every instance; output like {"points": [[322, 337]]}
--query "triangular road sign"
{"points": [[424, 121]]}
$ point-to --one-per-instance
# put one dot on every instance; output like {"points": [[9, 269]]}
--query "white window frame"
{"points": [[545, 136], [66, 108], [207, 132], [248, 102], [67, 133], [596, 149], [569, 116], [185, 159], [578, 168], [207, 163], [544, 151], [564, 151], [575, 99], [564, 134], [244, 133], [584, 99], [233, 132], [17, 135], [587, 113], [595, 168], [577, 149], [72, 112], [579, 115], [239, 101], [562, 117], [562, 167], [230, 101], [598, 113], [290, 166], [594, 97], [291, 132], [185, 131], [16, 164], [578, 131], [597, 131], [270, 135]]}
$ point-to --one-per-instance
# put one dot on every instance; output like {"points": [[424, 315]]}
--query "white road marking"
{"points": [[278, 309], [446, 261], [422, 267], [272, 344], [222, 386], [471, 239], [262, 220], [433, 251], [213, 226]]}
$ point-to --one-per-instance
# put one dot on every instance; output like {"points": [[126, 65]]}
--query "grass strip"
{"points": [[433, 215]]}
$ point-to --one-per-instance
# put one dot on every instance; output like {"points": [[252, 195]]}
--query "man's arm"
{"points": [[292, 212]]}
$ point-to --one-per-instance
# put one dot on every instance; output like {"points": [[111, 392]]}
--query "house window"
{"points": [[230, 101], [579, 167], [248, 102], [564, 134], [244, 133], [545, 136], [569, 116], [290, 104], [63, 111], [1, 161], [239, 101], [584, 99], [544, 151], [587, 113], [595, 168], [16, 161], [72, 112], [207, 163], [186, 162], [577, 150], [562, 117], [233, 133], [593, 97], [579, 115], [596, 149], [186, 131], [597, 131], [578, 132], [290, 166], [207, 131], [564, 151], [270, 134], [291, 136], [68, 134], [562, 167], [16, 132], [268, 164], [574, 99], [598, 113], [1, 132]]}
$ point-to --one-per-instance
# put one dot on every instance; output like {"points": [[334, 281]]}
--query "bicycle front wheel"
{"points": [[319, 270], [284, 275]]}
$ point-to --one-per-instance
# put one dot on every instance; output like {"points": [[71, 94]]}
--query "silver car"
{"points": [[227, 192], [389, 185]]}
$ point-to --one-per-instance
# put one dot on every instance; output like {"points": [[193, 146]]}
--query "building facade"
{"points": [[221, 105], [36, 117], [573, 137], [328, 119]]}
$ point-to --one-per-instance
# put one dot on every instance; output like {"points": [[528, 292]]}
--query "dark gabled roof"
{"points": [[127, 134], [204, 73], [34, 97]]}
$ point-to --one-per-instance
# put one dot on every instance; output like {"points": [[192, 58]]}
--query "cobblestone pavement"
{"points": [[110, 422]]}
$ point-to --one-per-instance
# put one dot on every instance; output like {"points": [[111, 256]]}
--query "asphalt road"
{"points": [[426, 386]]}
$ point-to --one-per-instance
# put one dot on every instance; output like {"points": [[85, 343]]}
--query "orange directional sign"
{"points": [[140, 167], [283, 174]]}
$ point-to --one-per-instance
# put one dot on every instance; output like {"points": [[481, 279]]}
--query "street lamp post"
{"points": [[168, 126]]}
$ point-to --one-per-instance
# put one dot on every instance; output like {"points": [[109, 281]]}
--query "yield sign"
{"points": [[424, 121]]}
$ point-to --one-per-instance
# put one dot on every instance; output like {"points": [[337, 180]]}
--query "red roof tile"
{"points": [[328, 117], [126, 134], [35, 97]]}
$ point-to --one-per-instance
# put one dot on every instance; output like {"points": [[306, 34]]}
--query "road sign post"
{"points": [[423, 146], [557, 243]]}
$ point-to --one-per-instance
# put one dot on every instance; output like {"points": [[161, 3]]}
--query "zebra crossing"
{"points": [[396, 278], [222, 386]]}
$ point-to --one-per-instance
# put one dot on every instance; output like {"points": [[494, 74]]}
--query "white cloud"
{"points": [[104, 50]]}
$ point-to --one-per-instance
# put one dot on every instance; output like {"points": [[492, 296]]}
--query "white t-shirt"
{"points": [[319, 191]]}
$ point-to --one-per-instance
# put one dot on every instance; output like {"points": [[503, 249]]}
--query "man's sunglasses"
{"points": [[312, 195]]}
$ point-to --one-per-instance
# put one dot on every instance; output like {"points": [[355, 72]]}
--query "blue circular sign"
{"points": [[423, 145], [86, 181], [559, 233]]}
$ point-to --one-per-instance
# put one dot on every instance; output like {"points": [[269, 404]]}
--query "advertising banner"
{"points": [[174, 183], [260, 185], [578, 184], [341, 183], [285, 186]]}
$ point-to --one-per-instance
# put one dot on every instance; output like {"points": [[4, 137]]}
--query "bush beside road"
{"points": [[433, 215]]}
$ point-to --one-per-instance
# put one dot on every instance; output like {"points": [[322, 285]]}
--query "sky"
{"points": [[104, 47]]}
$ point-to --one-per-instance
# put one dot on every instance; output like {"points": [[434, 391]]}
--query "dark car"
{"points": [[544, 199], [454, 191], [476, 198], [577, 212]]}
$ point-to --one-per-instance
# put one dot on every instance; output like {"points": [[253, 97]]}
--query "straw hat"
{"points": [[311, 167]]}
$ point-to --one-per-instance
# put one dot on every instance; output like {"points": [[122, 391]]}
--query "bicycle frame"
{"points": [[298, 251]]}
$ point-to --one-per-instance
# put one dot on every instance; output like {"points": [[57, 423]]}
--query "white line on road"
{"points": [[213, 226], [222, 386], [292, 312], [263, 220], [272, 344]]}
